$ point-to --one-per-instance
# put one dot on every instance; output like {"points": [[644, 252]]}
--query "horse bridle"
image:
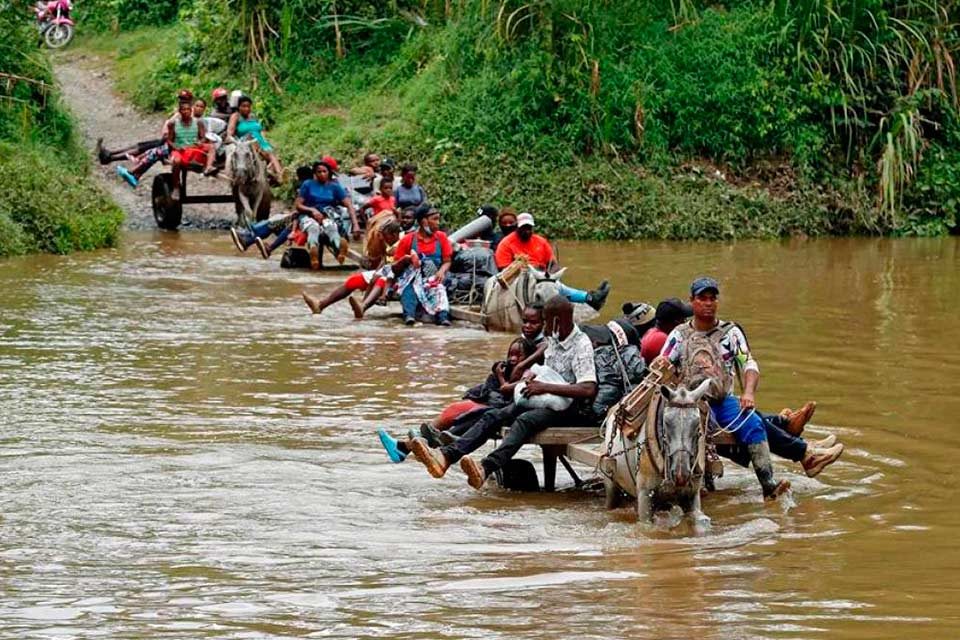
{"points": [[695, 455]]}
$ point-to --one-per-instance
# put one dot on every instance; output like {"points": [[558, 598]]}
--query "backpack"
{"points": [[702, 358]]}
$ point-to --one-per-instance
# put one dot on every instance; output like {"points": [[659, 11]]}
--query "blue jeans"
{"points": [[409, 302], [728, 415], [573, 295], [262, 230]]}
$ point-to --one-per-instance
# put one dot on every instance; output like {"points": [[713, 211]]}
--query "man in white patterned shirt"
{"points": [[569, 353]]}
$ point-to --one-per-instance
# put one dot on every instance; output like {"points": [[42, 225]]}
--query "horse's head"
{"points": [[244, 165], [542, 285], [681, 432]]}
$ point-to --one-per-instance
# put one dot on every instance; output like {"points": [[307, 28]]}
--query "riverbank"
{"points": [[573, 196], [49, 201]]}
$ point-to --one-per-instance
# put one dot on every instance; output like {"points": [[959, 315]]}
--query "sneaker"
{"points": [[782, 487], [432, 435], [476, 476], [312, 302], [435, 462], [236, 240], [342, 251], [817, 460], [796, 420], [598, 297], [826, 443], [127, 176], [409, 321], [390, 446], [443, 319], [263, 248], [357, 308]]}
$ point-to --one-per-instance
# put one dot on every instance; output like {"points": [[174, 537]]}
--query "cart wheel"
{"points": [[166, 212], [611, 494], [518, 475]]}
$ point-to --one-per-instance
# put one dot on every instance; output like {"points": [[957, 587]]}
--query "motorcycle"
{"points": [[54, 23]]}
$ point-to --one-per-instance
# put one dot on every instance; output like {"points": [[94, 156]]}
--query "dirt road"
{"points": [[102, 113]]}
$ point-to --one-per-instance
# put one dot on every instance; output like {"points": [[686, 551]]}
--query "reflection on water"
{"points": [[187, 452]]}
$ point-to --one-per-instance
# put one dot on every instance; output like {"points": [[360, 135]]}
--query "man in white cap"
{"points": [[539, 254]]}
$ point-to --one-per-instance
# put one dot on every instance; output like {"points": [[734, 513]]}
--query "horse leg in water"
{"points": [[245, 213], [644, 506]]}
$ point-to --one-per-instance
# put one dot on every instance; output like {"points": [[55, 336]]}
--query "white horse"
{"points": [[504, 298], [248, 177]]}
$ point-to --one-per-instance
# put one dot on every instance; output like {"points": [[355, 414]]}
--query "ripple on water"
{"points": [[193, 454]]}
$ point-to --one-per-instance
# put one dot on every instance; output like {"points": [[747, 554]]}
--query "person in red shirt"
{"points": [[384, 201], [423, 259], [670, 313], [524, 242], [539, 254]]}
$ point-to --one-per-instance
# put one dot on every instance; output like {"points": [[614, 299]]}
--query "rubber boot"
{"points": [[760, 457], [598, 297]]}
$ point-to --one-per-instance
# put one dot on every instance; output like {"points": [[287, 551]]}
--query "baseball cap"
{"points": [[673, 310], [525, 219], [330, 164], [704, 283]]}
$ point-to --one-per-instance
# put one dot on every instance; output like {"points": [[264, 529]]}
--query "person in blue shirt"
{"points": [[315, 202]]}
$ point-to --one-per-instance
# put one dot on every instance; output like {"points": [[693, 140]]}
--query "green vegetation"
{"points": [[677, 119], [48, 201]]}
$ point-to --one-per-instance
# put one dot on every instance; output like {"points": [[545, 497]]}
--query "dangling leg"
{"points": [[763, 467], [596, 298]]}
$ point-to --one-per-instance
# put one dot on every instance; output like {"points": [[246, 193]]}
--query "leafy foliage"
{"points": [[48, 201], [850, 94]]}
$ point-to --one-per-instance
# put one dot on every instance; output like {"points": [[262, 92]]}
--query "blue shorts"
{"points": [[728, 415]]}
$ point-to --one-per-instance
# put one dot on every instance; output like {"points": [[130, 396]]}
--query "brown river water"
{"points": [[187, 453]]}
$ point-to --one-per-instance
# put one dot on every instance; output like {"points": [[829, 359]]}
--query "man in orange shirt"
{"points": [[539, 254]]}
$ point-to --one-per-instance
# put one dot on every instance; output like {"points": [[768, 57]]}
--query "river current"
{"points": [[186, 452]]}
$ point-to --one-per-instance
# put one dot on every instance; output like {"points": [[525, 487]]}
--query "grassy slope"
{"points": [[573, 197], [49, 201]]}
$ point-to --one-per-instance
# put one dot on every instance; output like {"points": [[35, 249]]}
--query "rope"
{"points": [[743, 421]]}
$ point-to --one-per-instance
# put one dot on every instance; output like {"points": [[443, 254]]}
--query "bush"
{"points": [[112, 15], [48, 201], [49, 206]]}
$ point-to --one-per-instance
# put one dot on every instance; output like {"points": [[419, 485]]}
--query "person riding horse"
{"points": [[736, 415], [539, 255]]}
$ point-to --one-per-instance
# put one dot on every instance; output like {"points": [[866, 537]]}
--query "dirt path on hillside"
{"points": [[102, 113]]}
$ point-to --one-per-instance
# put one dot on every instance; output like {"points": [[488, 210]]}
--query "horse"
{"points": [[519, 286], [668, 466], [248, 177]]}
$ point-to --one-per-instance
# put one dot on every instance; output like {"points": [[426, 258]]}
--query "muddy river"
{"points": [[187, 453]]}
